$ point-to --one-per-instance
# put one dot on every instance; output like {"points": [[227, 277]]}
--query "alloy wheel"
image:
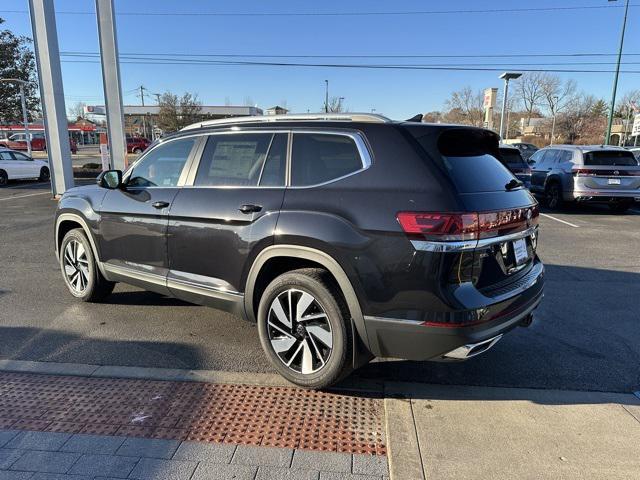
{"points": [[76, 266], [299, 331]]}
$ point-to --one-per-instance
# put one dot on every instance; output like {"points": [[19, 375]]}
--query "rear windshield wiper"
{"points": [[513, 184]]}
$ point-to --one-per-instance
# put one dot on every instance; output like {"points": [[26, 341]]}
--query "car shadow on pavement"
{"points": [[144, 297], [47, 345], [585, 337]]}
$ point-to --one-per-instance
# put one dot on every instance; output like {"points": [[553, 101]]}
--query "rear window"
{"points": [[478, 173], [610, 158], [511, 158]]}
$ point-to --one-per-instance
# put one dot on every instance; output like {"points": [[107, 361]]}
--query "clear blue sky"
{"points": [[398, 94]]}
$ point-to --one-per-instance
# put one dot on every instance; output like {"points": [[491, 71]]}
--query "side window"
{"points": [[162, 166], [551, 158], [318, 158], [22, 157], [233, 160], [275, 166], [537, 157], [6, 156]]}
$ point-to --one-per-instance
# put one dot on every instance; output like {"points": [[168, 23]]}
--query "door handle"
{"points": [[249, 208], [160, 205]]}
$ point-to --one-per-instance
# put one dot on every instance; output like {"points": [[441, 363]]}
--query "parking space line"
{"points": [[558, 220], [27, 186], [23, 196]]}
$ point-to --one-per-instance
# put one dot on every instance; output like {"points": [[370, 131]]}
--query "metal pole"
{"points": [[553, 127], [111, 82], [45, 36], [326, 97], [504, 107], [25, 120], [615, 80]]}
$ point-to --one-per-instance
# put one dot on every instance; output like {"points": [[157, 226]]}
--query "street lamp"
{"points": [[506, 76], [23, 101], [615, 78], [555, 111]]}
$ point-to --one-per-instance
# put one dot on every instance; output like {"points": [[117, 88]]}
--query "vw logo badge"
{"points": [[529, 215]]}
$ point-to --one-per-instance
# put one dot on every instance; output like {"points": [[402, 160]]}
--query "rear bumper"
{"points": [[414, 340], [600, 196]]}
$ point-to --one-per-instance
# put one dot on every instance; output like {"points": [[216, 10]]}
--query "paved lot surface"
{"points": [[586, 336]]}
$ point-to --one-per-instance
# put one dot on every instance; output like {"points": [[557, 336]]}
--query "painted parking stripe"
{"points": [[558, 220], [28, 186], [23, 196]]}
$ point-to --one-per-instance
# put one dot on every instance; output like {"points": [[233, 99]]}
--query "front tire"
{"points": [[4, 179], [80, 270], [44, 174], [303, 327]]}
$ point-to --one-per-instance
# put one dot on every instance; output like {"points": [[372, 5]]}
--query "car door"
{"points": [[29, 168], [538, 169], [9, 164], [133, 219], [228, 207]]}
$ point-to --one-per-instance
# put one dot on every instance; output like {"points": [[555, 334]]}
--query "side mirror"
{"points": [[110, 179]]}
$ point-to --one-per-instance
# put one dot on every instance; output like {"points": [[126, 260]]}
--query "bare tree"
{"points": [[582, 121], [529, 90], [77, 111], [336, 105], [465, 106], [248, 101], [177, 112], [557, 94], [227, 101]]}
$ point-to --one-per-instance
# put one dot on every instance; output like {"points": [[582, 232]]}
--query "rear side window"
{"points": [[512, 158], [233, 160], [319, 158], [610, 158]]}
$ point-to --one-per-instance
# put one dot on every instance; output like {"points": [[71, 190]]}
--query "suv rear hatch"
{"points": [[494, 235], [606, 170]]}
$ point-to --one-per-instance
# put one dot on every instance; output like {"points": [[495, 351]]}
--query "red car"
{"points": [[137, 145], [18, 141]]}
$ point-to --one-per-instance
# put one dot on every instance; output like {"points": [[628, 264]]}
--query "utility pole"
{"points": [[326, 96], [615, 78], [555, 112], [157, 95], [144, 115]]}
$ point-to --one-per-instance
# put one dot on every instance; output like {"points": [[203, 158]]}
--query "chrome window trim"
{"points": [[432, 246]]}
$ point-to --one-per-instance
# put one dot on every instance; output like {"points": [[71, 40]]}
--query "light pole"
{"points": [[25, 120], [615, 78], [326, 96], [506, 76], [340, 104], [555, 111]]}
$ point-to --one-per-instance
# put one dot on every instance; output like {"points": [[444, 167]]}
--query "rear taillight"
{"points": [[584, 172], [447, 227]]}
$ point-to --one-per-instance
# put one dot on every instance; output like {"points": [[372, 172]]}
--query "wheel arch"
{"points": [[306, 256], [69, 221]]}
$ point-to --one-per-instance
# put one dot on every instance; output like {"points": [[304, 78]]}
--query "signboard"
{"points": [[490, 95], [104, 152], [635, 131], [95, 109]]}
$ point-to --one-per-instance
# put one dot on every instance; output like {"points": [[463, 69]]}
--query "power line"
{"points": [[348, 66], [345, 14], [262, 55]]}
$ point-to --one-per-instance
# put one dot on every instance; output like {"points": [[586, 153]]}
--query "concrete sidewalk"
{"points": [[451, 432]]}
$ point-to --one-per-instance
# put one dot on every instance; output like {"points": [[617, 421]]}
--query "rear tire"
{"points": [[80, 270], [553, 194], [44, 174], [4, 179], [620, 207], [304, 328]]}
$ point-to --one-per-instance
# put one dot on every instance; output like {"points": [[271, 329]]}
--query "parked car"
{"points": [[137, 145], [578, 173], [18, 166], [18, 141], [526, 149], [511, 158], [344, 236]]}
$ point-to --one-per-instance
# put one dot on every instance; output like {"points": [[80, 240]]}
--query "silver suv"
{"points": [[581, 173]]}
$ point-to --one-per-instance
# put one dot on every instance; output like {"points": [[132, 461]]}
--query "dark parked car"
{"points": [[526, 149], [512, 159], [137, 145], [343, 236]]}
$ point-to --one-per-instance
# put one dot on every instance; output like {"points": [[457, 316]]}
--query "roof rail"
{"points": [[294, 117]]}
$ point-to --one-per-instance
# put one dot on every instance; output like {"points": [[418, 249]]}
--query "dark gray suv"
{"points": [[343, 236]]}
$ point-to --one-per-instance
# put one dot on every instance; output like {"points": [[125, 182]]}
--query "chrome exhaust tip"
{"points": [[472, 349]]}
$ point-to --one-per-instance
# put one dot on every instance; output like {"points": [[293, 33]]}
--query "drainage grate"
{"points": [[240, 414]]}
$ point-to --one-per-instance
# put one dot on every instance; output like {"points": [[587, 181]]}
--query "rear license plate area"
{"points": [[520, 251], [614, 181]]}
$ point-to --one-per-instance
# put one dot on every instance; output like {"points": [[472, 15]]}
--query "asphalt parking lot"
{"points": [[586, 335]]}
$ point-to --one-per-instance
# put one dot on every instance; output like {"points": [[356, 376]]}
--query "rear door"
{"points": [[26, 164], [539, 169], [228, 207]]}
